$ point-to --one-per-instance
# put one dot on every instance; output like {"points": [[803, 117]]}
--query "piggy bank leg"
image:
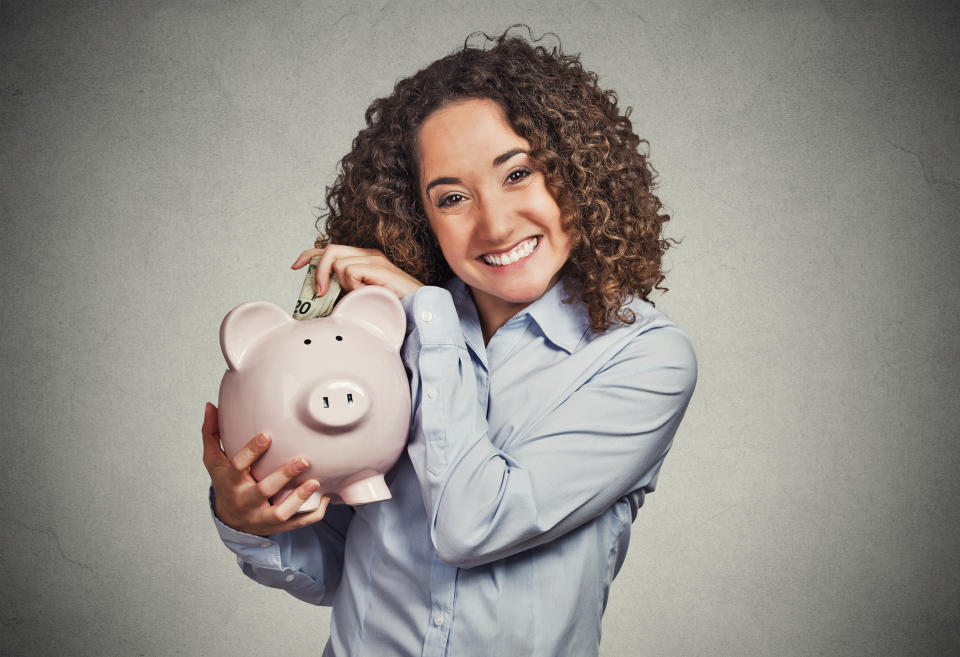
{"points": [[312, 502], [363, 491]]}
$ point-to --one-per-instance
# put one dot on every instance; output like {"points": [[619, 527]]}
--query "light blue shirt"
{"points": [[527, 461]]}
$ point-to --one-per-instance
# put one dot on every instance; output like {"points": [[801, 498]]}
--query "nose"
{"points": [[337, 404], [495, 222]]}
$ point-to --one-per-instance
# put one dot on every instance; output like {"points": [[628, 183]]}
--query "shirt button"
{"points": [[289, 578], [439, 619], [431, 393], [426, 315]]}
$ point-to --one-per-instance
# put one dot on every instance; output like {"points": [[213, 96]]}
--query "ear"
{"points": [[246, 325], [377, 310]]}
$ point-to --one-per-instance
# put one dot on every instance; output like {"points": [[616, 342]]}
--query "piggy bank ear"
{"points": [[246, 325], [377, 310]]}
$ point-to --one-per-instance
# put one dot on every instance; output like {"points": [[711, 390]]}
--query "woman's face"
{"points": [[496, 223]]}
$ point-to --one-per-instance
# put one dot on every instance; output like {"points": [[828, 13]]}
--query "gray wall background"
{"points": [[162, 162]]}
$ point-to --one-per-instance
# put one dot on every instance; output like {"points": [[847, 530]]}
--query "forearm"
{"points": [[306, 562], [591, 437]]}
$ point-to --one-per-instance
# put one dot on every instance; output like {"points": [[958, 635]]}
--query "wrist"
{"points": [[408, 289]]}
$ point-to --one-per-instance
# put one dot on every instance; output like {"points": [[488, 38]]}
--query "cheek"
{"points": [[448, 237], [546, 208], [553, 221]]}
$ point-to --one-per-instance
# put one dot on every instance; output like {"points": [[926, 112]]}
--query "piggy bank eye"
{"points": [[307, 341], [339, 338]]}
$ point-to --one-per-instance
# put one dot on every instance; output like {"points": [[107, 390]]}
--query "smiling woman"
{"points": [[577, 138], [500, 195], [496, 223]]}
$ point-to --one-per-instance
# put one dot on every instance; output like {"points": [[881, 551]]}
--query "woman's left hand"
{"points": [[357, 267]]}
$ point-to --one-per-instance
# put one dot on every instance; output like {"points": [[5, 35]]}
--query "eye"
{"points": [[339, 338], [307, 341], [449, 200], [518, 174]]}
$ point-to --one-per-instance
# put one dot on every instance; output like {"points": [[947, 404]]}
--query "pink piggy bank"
{"points": [[333, 390]]}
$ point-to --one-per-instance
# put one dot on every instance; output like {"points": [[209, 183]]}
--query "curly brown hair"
{"points": [[581, 141]]}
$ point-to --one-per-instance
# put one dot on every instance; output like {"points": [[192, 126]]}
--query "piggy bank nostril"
{"points": [[326, 400], [337, 404]]}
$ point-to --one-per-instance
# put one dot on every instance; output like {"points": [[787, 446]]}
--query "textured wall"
{"points": [[161, 163]]}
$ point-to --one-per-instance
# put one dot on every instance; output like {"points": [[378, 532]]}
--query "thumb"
{"points": [[213, 456]]}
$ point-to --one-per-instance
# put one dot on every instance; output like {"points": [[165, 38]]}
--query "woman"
{"points": [[501, 196]]}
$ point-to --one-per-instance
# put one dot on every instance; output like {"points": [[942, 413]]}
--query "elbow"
{"points": [[499, 527], [455, 551], [689, 369], [463, 548], [466, 549]]}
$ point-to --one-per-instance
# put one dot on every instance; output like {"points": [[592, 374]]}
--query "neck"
{"points": [[494, 312]]}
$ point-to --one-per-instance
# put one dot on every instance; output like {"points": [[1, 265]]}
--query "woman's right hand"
{"points": [[242, 502], [357, 267]]}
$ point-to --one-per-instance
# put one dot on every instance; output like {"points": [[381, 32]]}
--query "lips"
{"points": [[518, 252]]}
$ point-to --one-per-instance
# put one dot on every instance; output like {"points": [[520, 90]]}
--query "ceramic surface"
{"points": [[332, 389]]}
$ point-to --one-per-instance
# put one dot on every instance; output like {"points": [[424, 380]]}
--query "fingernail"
{"points": [[311, 487], [300, 465], [262, 440]]}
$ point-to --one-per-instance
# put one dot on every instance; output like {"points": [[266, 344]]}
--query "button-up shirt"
{"points": [[527, 460]]}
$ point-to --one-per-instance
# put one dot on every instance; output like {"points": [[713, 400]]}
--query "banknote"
{"points": [[310, 305]]}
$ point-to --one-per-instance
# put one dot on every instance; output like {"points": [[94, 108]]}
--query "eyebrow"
{"points": [[497, 161], [500, 159]]}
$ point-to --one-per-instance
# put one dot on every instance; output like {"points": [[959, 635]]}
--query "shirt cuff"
{"points": [[260, 551], [432, 317]]}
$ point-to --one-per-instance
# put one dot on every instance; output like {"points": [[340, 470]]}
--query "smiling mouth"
{"points": [[519, 252]]}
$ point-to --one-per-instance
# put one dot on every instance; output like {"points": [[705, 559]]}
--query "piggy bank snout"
{"points": [[337, 404]]}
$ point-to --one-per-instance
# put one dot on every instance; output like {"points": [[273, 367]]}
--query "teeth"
{"points": [[521, 250]]}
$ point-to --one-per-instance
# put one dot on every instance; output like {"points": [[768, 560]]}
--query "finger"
{"points": [[250, 452], [351, 272], [305, 257], [210, 420], [213, 456], [366, 270], [310, 517], [333, 254], [273, 482], [328, 260], [292, 503], [375, 270]]}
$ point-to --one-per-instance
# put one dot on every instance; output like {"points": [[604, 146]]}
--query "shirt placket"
{"points": [[443, 588], [504, 340]]}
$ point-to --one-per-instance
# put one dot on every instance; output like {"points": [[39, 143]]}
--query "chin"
{"points": [[527, 293]]}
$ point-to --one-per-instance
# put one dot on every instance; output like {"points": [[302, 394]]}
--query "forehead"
{"points": [[463, 135]]}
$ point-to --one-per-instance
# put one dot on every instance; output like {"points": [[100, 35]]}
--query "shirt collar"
{"points": [[469, 319], [563, 324]]}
